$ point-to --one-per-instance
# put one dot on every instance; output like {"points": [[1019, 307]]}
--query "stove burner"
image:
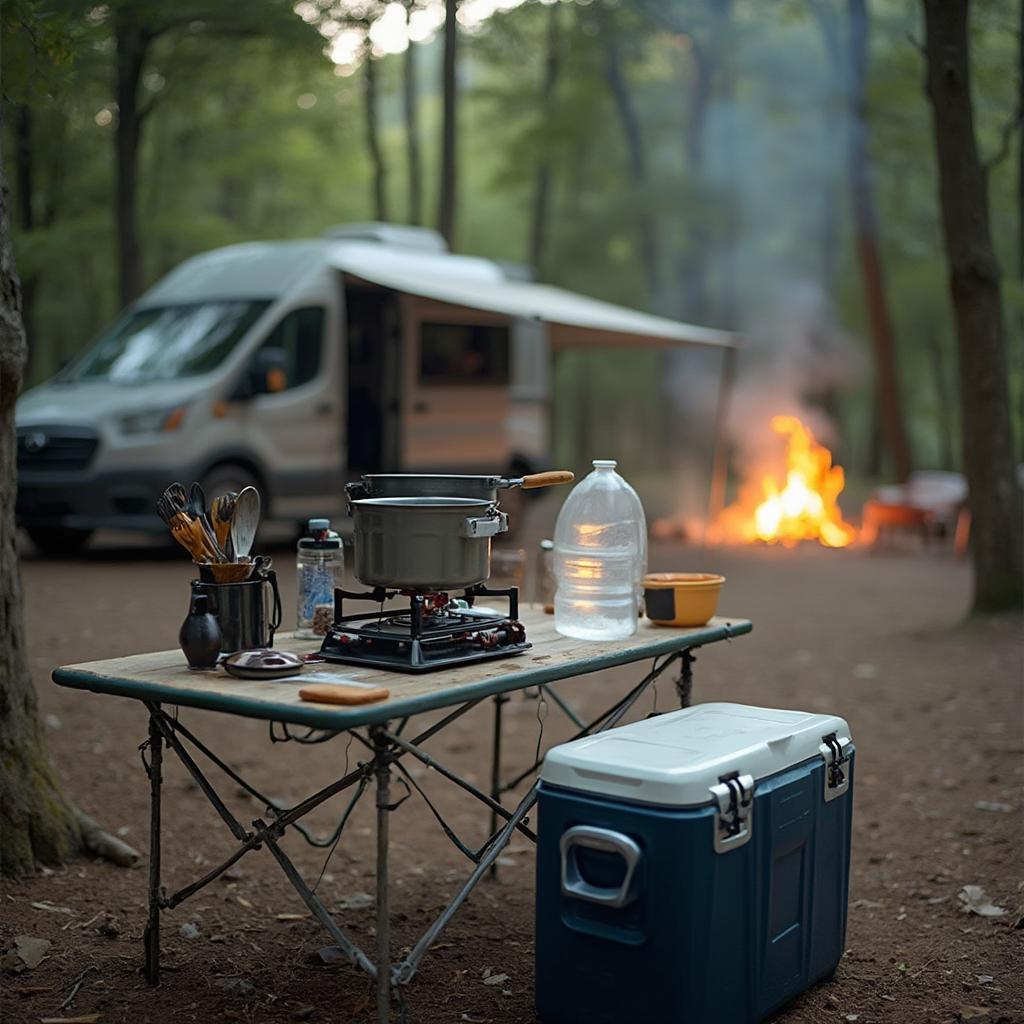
{"points": [[433, 632]]}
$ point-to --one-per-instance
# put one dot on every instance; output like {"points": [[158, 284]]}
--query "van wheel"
{"points": [[58, 540], [229, 476]]}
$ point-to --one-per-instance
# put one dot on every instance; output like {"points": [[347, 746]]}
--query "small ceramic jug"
{"points": [[200, 634]]}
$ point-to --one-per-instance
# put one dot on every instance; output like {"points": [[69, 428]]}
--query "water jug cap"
{"points": [[605, 463]]}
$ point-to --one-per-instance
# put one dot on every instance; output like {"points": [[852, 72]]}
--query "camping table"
{"points": [[162, 679]]}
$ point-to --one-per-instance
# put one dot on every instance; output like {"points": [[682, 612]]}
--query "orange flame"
{"points": [[804, 507]]}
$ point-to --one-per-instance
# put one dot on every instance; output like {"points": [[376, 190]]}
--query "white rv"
{"points": [[299, 365]]}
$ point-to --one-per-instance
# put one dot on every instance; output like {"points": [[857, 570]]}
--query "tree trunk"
{"points": [[412, 135], [24, 175], [380, 171], [447, 193], [865, 224], [36, 824], [132, 42], [937, 366], [1020, 238], [542, 181], [996, 534], [637, 156]]}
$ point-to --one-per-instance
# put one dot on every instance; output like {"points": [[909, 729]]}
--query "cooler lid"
{"points": [[673, 759]]}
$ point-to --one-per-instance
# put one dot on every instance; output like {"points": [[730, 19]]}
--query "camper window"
{"points": [[464, 354], [290, 356]]}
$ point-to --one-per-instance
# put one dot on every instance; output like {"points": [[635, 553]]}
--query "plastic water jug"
{"points": [[600, 557]]}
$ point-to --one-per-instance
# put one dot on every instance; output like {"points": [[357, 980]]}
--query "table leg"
{"points": [[382, 771], [499, 700], [684, 684], [151, 937]]}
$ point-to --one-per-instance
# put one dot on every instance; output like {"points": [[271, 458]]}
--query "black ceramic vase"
{"points": [[200, 635]]}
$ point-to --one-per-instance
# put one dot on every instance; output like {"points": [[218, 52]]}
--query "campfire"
{"points": [[802, 506]]}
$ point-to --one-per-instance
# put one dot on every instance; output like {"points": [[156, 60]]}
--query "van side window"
{"points": [[464, 354], [290, 356]]}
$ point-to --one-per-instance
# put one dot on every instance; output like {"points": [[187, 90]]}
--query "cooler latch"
{"points": [[734, 802], [836, 751]]}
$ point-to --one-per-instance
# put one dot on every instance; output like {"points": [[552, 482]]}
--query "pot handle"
{"points": [[549, 479], [485, 526]]}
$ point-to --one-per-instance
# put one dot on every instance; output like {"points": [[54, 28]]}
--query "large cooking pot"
{"points": [[447, 485], [424, 543]]}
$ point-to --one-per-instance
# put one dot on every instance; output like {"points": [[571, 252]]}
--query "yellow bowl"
{"points": [[681, 598]]}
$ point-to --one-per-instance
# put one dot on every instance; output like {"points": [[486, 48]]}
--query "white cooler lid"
{"points": [[673, 759]]}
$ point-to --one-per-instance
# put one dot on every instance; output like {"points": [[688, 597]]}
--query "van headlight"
{"points": [[153, 421]]}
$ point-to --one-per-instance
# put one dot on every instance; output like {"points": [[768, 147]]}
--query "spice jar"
{"points": [[320, 565]]}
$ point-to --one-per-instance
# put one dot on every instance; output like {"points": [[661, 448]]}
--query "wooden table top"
{"points": [[164, 677]]}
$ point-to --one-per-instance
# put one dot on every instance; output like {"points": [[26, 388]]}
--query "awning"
{"points": [[575, 320]]}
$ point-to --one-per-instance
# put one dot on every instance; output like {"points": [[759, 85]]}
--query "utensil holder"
{"points": [[247, 614]]}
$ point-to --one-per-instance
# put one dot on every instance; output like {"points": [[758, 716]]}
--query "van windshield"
{"points": [[165, 342]]}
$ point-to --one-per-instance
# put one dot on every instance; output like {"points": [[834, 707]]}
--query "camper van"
{"points": [[296, 366]]}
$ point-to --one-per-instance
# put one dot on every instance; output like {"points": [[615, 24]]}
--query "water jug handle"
{"points": [[593, 838]]}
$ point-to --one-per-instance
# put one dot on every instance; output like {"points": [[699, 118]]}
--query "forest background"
{"points": [[702, 159]]}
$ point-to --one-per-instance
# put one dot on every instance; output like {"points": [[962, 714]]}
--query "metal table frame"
{"points": [[386, 746]]}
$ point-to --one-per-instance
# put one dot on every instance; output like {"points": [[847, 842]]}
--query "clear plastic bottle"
{"points": [[600, 555], [320, 566]]}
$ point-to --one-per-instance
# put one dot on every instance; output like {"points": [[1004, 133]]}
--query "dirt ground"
{"points": [[936, 713]]}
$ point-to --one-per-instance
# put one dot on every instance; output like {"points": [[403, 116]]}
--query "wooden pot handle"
{"points": [[555, 476]]}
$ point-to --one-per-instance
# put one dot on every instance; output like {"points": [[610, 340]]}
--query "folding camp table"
{"points": [[162, 679]]}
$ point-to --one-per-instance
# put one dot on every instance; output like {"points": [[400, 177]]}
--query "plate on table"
{"points": [[263, 663]]}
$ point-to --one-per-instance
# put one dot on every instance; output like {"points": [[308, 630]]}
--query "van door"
{"points": [[457, 373], [293, 413], [373, 388]]}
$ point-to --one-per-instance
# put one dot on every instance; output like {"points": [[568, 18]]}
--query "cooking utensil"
{"points": [[190, 535], [245, 520], [444, 485], [229, 572], [221, 510], [424, 543]]}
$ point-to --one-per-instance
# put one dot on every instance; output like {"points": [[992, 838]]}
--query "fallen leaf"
{"points": [[984, 979], [496, 979], [992, 805], [333, 955], [52, 907], [975, 901], [355, 901], [244, 902], [291, 917], [973, 1012], [852, 1016], [31, 950]]}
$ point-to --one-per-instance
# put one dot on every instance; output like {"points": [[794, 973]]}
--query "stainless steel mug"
{"points": [[248, 613]]}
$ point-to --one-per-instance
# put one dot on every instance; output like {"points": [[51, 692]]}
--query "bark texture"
{"points": [[542, 180], [380, 171], [449, 165], [132, 41], [36, 824], [865, 224], [996, 528], [410, 97]]}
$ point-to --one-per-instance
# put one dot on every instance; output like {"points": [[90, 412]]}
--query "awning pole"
{"points": [[720, 450]]}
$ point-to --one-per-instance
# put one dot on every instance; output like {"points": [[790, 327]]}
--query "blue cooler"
{"points": [[692, 867]]}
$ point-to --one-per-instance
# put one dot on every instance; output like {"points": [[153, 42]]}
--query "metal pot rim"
{"points": [[425, 502]]}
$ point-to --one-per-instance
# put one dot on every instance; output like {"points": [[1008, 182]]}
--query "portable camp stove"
{"points": [[433, 632]]}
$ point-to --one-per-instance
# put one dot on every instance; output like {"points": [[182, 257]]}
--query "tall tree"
{"points": [[36, 823], [974, 280], [380, 170], [446, 202], [866, 232], [410, 107], [636, 152], [542, 178]]}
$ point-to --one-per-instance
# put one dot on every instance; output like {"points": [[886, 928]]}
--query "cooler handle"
{"points": [[593, 838]]}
